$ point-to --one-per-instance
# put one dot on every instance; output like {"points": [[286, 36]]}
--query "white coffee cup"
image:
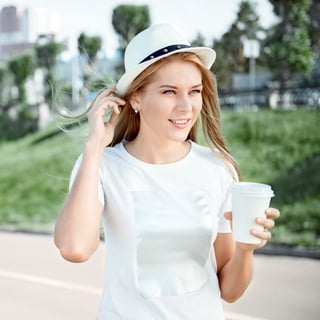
{"points": [[249, 201]]}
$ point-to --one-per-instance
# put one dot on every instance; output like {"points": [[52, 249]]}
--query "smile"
{"points": [[180, 123]]}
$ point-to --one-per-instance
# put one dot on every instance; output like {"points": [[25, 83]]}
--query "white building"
{"points": [[20, 29], [39, 22]]}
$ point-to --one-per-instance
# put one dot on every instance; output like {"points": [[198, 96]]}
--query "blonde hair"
{"points": [[128, 123]]}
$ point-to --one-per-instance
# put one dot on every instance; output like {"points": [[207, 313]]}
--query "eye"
{"points": [[169, 92], [195, 91]]}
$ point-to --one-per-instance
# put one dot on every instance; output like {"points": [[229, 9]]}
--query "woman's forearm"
{"points": [[236, 274], [77, 227]]}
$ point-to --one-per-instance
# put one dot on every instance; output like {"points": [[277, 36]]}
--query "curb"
{"points": [[238, 316], [269, 249], [282, 250]]}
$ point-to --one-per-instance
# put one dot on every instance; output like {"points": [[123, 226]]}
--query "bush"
{"points": [[25, 122], [282, 148]]}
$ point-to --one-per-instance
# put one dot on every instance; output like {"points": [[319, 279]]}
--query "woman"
{"points": [[164, 200]]}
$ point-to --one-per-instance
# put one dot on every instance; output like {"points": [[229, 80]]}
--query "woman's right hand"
{"points": [[102, 131]]}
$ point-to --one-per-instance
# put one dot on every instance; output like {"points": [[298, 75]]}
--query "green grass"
{"points": [[281, 148], [34, 173]]}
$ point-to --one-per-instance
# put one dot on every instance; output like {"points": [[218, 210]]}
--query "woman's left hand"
{"points": [[267, 223]]}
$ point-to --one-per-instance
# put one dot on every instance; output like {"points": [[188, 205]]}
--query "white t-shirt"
{"points": [[160, 223]]}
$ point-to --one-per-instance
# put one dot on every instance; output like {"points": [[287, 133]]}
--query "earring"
{"points": [[136, 111]]}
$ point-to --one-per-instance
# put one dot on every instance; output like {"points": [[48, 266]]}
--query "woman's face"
{"points": [[170, 104]]}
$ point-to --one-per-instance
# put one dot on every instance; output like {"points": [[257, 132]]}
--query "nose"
{"points": [[184, 103]]}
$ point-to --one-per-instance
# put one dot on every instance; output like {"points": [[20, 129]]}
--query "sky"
{"points": [[212, 18]]}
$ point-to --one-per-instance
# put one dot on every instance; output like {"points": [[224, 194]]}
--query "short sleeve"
{"points": [[226, 206], [73, 177]]}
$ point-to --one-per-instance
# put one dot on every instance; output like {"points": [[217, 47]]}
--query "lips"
{"points": [[180, 123]]}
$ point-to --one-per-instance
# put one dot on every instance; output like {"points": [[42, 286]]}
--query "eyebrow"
{"points": [[175, 87]]}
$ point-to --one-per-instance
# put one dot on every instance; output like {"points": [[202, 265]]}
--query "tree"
{"points": [[314, 31], [222, 68], [230, 47], [288, 47], [127, 21], [89, 47], [199, 41], [4, 87], [21, 67], [25, 119], [314, 26], [46, 52]]}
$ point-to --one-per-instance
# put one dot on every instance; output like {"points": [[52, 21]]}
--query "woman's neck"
{"points": [[157, 152]]}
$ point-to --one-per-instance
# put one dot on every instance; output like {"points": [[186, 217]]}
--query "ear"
{"points": [[135, 101]]}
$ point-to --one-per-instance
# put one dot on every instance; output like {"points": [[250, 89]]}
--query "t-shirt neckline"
{"points": [[140, 163]]}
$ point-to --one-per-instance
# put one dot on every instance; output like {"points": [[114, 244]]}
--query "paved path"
{"points": [[37, 284]]}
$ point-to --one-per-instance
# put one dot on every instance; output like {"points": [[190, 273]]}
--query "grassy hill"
{"points": [[281, 148], [34, 173]]}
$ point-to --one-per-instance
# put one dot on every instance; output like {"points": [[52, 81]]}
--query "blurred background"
{"points": [[59, 54], [268, 71]]}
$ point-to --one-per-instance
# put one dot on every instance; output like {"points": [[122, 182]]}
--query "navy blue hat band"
{"points": [[163, 51]]}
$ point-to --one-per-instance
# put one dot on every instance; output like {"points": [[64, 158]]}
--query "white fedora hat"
{"points": [[152, 44]]}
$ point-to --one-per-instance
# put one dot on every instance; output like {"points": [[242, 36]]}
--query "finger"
{"points": [[113, 118], [266, 223], [104, 94], [107, 113], [117, 100], [272, 213], [116, 106], [99, 107], [104, 105], [106, 91], [228, 215], [113, 102], [263, 235]]}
